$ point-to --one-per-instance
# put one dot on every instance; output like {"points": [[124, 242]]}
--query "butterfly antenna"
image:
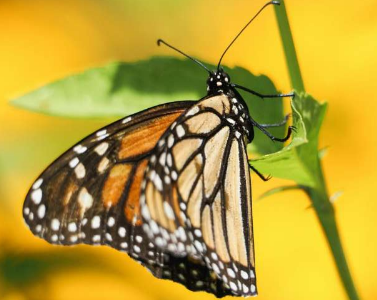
{"points": [[159, 41], [264, 6]]}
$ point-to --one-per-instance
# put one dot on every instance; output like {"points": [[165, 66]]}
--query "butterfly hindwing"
{"points": [[196, 196]]}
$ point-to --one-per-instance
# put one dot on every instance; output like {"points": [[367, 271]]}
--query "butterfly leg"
{"points": [[259, 173], [273, 138], [277, 124], [261, 95]]}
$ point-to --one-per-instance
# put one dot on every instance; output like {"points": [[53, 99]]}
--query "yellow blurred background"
{"points": [[43, 40]]}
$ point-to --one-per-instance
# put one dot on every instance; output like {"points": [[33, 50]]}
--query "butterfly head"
{"points": [[218, 81]]}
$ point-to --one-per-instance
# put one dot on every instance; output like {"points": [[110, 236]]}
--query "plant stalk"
{"points": [[289, 48], [326, 215], [318, 195]]}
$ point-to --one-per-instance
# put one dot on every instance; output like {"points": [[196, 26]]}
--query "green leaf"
{"points": [[298, 160], [120, 89]]}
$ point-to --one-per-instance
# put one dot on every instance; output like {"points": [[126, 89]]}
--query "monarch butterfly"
{"points": [[170, 186]]}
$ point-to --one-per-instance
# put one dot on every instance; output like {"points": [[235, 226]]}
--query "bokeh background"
{"points": [[44, 40]]}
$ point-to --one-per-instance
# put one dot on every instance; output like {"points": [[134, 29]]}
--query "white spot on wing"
{"points": [[233, 286], [162, 159], [215, 268], [73, 163], [55, 224], [157, 182], [80, 171], [72, 227], [180, 131], [80, 149], [167, 179], [170, 140], [111, 222], [102, 166], [122, 232], [231, 121], [199, 246], [182, 234], [85, 200], [36, 196], [126, 120], [197, 232], [96, 222], [235, 109], [37, 184], [41, 211], [102, 137], [96, 238], [244, 274], [169, 160], [154, 227], [145, 213], [169, 211], [101, 148], [101, 132], [231, 273], [193, 111]]}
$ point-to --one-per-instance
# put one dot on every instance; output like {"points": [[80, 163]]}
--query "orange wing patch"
{"points": [[115, 184], [71, 189], [132, 207], [143, 139]]}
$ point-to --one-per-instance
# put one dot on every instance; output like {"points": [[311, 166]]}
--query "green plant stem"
{"points": [[318, 195], [326, 215], [289, 48]]}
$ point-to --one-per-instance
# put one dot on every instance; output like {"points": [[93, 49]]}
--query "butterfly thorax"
{"points": [[218, 81]]}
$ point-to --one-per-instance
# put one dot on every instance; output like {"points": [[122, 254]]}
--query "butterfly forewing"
{"points": [[73, 199], [196, 196]]}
